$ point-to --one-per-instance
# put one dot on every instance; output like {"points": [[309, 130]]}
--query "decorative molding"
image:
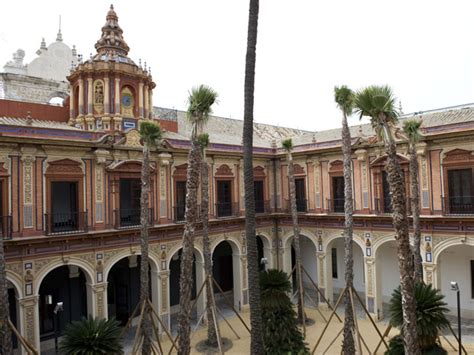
{"points": [[224, 170], [64, 166], [258, 172], [298, 169]]}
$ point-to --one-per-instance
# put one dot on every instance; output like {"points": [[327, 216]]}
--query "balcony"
{"points": [[130, 218], [386, 206], [179, 213], [6, 227], [65, 223], [227, 209], [335, 205], [262, 206], [301, 206], [458, 205]]}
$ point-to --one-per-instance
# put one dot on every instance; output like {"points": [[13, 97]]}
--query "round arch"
{"points": [[154, 264], [237, 268], [286, 240], [175, 249], [439, 248], [16, 282], [328, 240], [85, 267], [267, 248]]}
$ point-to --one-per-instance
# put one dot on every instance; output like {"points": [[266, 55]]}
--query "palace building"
{"points": [[70, 195]]}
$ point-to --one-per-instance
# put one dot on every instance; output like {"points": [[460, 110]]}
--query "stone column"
{"points": [[151, 103], [164, 305], [146, 102], [28, 161], [324, 278], [99, 299], [372, 297], [117, 116], [239, 263], [90, 90], [72, 115], [140, 99], [81, 97], [106, 95], [164, 159], [29, 320]]}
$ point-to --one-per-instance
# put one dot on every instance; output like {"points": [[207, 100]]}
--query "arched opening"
{"points": [[308, 264], [456, 263], [123, 289], [388, 274], [226, 266], [66, 285], [174, 289], [13, 311], [336, 253], [261, 254]]}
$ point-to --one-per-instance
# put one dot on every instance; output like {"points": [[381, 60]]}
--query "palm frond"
{"points": [[287, 144], [150, 131], [200, 100], [412, 130], [344, 98], [376, 101]]}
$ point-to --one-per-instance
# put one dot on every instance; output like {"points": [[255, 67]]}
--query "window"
{"points": [[258, 195], [224, 198], [338, 193], [130, 191], [180, 200], [460, 185], [300, 195], [334, 262], [387, 198], [64, 206]]}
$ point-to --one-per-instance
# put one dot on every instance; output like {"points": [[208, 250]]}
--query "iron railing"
{"points": [[262, 206], [129, 218], [6, 227], [179, 213], [227, 209], [386, 207], [65, 223], [301, 205], [335, 205], [458, 205]]}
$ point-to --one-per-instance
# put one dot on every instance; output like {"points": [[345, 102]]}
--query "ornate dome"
{"points": [[111, 43]]}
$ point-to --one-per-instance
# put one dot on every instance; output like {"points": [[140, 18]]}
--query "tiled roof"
{"points": [[10, 121]]}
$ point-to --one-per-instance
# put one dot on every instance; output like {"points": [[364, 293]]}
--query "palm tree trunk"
{"points": [[400, 223], [211, 330], [296, 238], [415, 208], [256, 337], [144, 263], [5, 335], [186, 278], [348, 342]]}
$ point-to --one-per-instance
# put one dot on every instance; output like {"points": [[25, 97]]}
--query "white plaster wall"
{"points": [[359, 282], [387, 269], [454, 265], [309, 261]]}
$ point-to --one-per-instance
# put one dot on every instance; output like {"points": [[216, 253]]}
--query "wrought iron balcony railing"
{"points": [[262, 206], [129, 218], [65, 223], [227, 209], [458, 205], [301, 205], [335, 205]]}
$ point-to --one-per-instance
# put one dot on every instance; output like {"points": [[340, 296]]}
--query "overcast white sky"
{"points": [[423, 49]]}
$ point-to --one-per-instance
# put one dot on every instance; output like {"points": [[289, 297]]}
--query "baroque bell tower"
{"points": [[109, 92]]}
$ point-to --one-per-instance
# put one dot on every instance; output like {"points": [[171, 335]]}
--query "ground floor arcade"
{"points": [[106, 283]]}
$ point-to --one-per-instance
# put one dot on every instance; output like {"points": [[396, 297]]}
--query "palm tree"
{"points": [[150, 133], [430, 313], [5, 334], [412, 131], [288, 146], [345, 101], [256, 337], [211, 330], [378, 103], [92, 336], [200, 100], [281, 332]]}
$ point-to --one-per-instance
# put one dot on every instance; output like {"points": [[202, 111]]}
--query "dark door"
{"points": [[180, 200], [258, 194], [224, 198], [387, 198], [460, 191], [338, 193], [300, 195], [64, 208], [130, 190]]}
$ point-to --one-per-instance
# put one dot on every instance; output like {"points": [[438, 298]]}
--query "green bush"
{"points": [[280, 324], [92, 337]]}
